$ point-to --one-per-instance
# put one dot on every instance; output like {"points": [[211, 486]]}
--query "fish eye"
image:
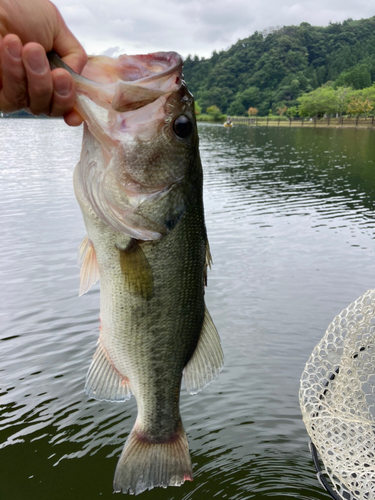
{"points": [[182, 126]]}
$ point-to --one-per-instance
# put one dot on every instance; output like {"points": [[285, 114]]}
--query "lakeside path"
{"points": [[360, 122]]}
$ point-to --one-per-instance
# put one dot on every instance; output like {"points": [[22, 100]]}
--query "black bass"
{"points": [[139, 186]]}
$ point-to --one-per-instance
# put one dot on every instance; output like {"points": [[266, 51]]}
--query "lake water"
{"points": [[290, 218]]}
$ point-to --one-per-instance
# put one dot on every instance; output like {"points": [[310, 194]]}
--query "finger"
{"points": [[39, 78], [1, 71], [68, 47], [63, 93], [13, 95], [73, 119]]}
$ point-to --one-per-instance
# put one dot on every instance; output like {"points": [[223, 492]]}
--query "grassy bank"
{"points": [[211, 118]]}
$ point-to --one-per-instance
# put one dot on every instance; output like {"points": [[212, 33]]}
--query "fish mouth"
{"points": [[128, 105], [143, 67], [128, 82]]}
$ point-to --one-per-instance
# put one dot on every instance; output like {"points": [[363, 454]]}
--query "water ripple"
{"points": [[290, 220]]}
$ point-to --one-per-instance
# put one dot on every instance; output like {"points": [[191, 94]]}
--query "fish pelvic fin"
{"points": [[207, 360], [145, 464], [136, 270], [103, 381], [89, 274]]}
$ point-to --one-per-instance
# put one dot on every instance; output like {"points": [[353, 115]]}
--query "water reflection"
{"points": [[290, 221]]}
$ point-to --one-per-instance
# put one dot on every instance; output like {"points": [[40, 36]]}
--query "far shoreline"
{"points": [[339, 123]]}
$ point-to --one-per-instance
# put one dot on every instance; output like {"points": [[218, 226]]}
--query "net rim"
{"points": [[320, 473]]}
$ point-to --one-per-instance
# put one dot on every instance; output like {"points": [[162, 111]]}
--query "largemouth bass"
{"points": [[139, 186]]}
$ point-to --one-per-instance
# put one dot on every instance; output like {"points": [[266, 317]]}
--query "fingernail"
{"points": [[36, 61], [63, 86], [15, 50]]}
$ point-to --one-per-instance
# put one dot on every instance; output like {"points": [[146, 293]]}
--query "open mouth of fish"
{"points": [[129, 104], [130, 82]]}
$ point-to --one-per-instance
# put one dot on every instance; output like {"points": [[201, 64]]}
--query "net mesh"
{"points": [[337, 399]]}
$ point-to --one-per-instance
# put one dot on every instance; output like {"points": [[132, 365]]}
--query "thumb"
{"points": [[68, 47]]}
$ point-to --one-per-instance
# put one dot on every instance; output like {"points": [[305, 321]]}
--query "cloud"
{"points": [[192, 26], [112, 52]]}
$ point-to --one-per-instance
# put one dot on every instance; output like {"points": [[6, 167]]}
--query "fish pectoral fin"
{"points": [[103, 381], [136, 270], [207, 360], [89, 274]]}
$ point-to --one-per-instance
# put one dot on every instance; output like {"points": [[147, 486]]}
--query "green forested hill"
{"points": [[271, 70]]}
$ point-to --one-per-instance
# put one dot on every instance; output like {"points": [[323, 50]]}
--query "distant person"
{"points": [[229, 121], [29, 29]]}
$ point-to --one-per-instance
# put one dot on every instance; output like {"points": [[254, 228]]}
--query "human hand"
{"points": [[29, 29]]}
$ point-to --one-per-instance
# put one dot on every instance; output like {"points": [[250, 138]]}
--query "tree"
{"points": [[236, 108], [324, 100], [355, 107], [249, 96], [197, 108], [243, 100], [215, 112], [343, 95], [275, 70], [358, 77], [367, 107], [292, 112], [214, 96], [359, 107], [368, 93], [281, 111], [252, 111]]}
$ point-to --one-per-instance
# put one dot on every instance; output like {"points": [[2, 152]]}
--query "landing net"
{"points": [[337, 399]]}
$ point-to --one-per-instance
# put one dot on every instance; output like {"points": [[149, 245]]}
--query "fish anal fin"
{"points": [[89, 274], [136, 270], [207, 359], [103, 381]]}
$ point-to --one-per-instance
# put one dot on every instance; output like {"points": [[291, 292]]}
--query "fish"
{"points": [[139, 184]]}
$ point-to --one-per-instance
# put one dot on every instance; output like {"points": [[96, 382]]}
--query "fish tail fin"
{"points": [[144, 464]]}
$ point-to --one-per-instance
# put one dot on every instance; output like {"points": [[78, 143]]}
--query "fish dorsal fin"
{"points": [[136, 270], [103, 381], [207, 360], [89, 274], [209, 260]]}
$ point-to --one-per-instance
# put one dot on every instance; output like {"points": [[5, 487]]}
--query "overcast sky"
{"points": [[192, 26]]}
